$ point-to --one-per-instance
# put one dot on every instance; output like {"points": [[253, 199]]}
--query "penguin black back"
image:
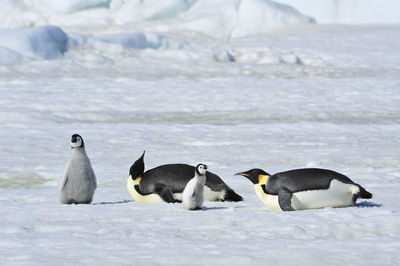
{"points": [[321, 179], [175, 176]]}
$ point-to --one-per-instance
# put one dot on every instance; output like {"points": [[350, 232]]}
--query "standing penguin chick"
{"points": [[193, 194], [79, 181]]}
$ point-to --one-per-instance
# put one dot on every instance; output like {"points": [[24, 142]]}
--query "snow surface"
{"points": [[307, 95]]}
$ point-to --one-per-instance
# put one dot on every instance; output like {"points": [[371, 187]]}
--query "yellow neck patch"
{"points": [[270, 201], [262, 179], [139, 198], [137, 180]]}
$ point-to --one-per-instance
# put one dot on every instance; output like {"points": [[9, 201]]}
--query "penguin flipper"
{"points": [[64, 180], [93, 180], [165, 193], [284, 199]]}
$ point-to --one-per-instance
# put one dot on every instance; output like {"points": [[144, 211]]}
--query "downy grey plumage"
{"points": [[79, 181]]}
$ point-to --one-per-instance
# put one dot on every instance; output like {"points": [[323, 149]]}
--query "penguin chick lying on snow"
{"points": [[79, 181], [193, 194]]}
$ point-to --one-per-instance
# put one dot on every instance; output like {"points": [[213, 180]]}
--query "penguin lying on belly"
{"points": [[303, 189], [166, 183]]}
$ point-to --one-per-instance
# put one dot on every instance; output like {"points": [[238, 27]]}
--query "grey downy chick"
{"points": [[193, 194], [79, 181]]}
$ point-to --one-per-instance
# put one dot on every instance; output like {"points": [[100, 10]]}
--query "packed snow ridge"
{"points": [[227, 16], [117, 26], [216, 18], [221, 19]]}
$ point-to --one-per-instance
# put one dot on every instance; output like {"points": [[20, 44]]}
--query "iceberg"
{"points": [[44, 42]]}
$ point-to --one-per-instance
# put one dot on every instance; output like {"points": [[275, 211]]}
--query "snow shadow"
{"points": [[203, 208], [367, 204], [112, 202]]}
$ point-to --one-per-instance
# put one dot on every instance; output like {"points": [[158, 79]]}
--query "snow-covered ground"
{"points": [[175, 81]]}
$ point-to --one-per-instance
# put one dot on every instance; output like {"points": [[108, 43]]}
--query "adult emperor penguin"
{"points": [[302, 189], [79, 181], [166, 183], [193, 194]]}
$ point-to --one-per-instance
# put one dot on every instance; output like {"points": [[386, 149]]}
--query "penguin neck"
{"points": [[201, 179], [78, 153], [263, 180], [270, 201]]}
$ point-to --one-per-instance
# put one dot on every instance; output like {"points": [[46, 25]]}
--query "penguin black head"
{"points": [[137, 168], [201, 169], [254, 175], [77, 141]]}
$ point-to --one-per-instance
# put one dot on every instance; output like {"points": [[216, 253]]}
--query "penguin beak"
{"points": [[243, 174]]}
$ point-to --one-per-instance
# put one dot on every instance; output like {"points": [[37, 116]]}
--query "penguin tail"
{"points": [[364, 194], [231, 195]]}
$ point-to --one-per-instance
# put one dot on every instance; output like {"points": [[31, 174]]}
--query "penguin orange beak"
{"points": [[242, 174]]}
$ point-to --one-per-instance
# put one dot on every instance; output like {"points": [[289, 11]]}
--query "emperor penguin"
{"points": [[193, 194], [79, 181], [166, 183], [303, 189]]}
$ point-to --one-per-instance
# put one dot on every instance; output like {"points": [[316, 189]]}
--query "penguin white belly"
{"points": [[270, 201], [137, 197], [178, 196], [210, 195], [337, 195]]}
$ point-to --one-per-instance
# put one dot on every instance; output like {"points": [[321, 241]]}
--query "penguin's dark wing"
{"points": [[284, 197], [285, 200], [165, 193], [174, 176]]}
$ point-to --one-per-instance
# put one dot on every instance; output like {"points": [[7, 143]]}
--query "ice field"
{"points": [[187, 84]]}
